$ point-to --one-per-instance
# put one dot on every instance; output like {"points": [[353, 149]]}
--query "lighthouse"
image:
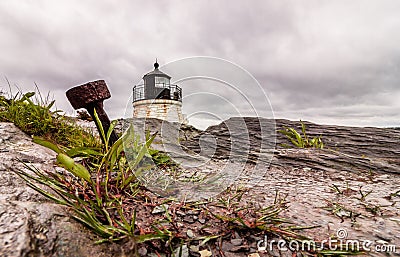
{"points": [[157, 98]]}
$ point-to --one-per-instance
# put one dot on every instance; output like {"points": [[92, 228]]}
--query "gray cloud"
{"points": [[324, 61]]}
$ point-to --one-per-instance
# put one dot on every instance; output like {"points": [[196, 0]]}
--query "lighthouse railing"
{"points": [[173, 92]]}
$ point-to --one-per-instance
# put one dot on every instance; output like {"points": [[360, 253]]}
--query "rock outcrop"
{"points": [[351, 184], [346, 148], [30, 225]]}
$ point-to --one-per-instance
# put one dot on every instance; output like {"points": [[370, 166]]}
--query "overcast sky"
{"points": [[335, 62]]}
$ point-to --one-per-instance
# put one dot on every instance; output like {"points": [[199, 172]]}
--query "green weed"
{"points": [[301, 140], [33, 114], [363, 195], [97, 195], [397, 193]]}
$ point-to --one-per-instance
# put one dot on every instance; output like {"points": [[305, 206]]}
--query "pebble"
{"points": [[228, 254], [180, 213], [160, 209], [236, 242], [193, 212], [240, 248], [142, 251], [182, 251], [188, 219], [190, 233], [205, 253], [381, 242], [226, 246], [256, 238], [194, 248]]}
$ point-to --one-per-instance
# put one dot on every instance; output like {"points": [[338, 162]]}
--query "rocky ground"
{"points": [[30, 225], [350, 185]]}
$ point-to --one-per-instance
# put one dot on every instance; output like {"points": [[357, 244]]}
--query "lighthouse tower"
{"points": [[157, 98]]}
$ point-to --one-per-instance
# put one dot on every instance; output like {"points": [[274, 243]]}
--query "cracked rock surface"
{"points": [[362, 163], [29, 224]]}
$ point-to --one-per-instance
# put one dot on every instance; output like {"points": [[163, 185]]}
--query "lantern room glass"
{"points": [[162, 82]]}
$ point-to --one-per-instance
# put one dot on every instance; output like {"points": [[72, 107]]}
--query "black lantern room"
{"points": [[156, 85]]}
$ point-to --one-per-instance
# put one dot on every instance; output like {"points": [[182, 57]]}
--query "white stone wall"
{"points": [[163, 109]]}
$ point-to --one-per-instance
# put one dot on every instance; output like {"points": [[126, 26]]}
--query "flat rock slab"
{"points": [[349, 148]]}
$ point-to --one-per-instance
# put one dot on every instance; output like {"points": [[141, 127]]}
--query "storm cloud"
{"points": [[334, 62]]}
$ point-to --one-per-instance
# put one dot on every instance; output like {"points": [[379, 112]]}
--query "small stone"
{"points": [[253, 250], [239, 248], [180, 213], [142, 251], [194, 248], [182, 251], [205, 253], [253, 255], [256, 238], [226, 246], [41, 237], [160, 209], [188, 219], [190, 233], [193, 212], [236, 242], [202, 221], [381, 242], [229, 254]]}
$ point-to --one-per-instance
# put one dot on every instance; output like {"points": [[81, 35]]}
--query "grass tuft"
{"points": [[33, 114], [301, 140]]}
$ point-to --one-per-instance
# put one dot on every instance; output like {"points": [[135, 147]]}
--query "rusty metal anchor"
{"points": [[91, 96]]}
